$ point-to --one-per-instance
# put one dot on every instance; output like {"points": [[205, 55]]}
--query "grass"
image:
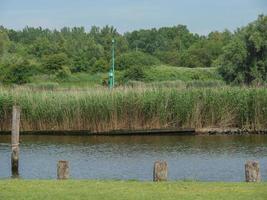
{"points": [[169, 73], [136, 108], [160, 73], [20, 189]]}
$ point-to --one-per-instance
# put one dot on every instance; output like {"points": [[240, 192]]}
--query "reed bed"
{"points": [[100, 110]]}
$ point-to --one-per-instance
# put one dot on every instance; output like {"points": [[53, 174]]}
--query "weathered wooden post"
{"points": [[63, 170], [160, 172], [15, 141], [252, 171]]}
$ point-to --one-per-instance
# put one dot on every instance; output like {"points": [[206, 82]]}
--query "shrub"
{"points": [[55, 62], [134, 73], [131, 59], [64, 73], [100, 65], [169, 57], [17, 70]]}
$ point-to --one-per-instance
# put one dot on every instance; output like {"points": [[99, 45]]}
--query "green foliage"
{"points": [[134, 59], [64, 73], [150, 41], [205, 51], [54, 63], [4, 42], [244, 59], [100, 65], [172, 58], [232, 64], [134, 73], [151, 74], [205, 84], [240, 56], [168, 73], [17, 70]]}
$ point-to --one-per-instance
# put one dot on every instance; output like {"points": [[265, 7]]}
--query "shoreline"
{"points": [[149, 132]]}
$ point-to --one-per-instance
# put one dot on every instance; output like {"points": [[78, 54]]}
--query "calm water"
{"points": [[207, 158]]}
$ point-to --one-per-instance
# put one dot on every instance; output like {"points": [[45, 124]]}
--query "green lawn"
{"points": [[94, 190]]}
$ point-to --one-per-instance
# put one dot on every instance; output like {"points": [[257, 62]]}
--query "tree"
{"points": [[138, 58], [54, 63], [206, 50], [232, 63], [4, 41], [244, 60], [17, 70], [100, 65], [42, 47]]}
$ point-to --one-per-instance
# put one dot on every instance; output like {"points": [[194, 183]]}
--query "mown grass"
{"points": [[136, 108], [10, 189]]}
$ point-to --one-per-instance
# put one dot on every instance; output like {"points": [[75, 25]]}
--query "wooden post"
{"points": [[160, 172], [252, 171], [15, 141], [63, 170]]}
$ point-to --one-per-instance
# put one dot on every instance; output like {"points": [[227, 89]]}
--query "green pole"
{"points": [[113, 61], [112, 69]]}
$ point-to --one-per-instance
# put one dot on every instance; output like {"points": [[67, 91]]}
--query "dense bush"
{"points": [[100, 65], [172, 58], [63, 74], [54, 63], [17, 70], [135, 73], [4, 42], [135, 59]]}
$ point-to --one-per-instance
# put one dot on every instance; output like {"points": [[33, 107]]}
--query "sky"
{"points": [[200, 16]]}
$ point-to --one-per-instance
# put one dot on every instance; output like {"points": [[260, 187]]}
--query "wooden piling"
{"points": [[63, 170], [160, 172], [252, 171], [15, 141]]}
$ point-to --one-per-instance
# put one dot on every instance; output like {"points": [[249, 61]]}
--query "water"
{"points": [[206, 158]]}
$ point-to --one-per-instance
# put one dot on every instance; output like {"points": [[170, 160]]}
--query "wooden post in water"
{"points": [[160, 172], [252, 171], [63, 170], [15, 141]]}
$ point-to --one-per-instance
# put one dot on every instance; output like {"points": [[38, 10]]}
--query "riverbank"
{"points": [[148, 132], [82, 189]]}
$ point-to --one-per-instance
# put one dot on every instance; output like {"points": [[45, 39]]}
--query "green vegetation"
{"points": [[136, 108], [35, 52], [145, 75], [167, 73], [136, 59], [165, 78], [244, 59], [117, 190]]}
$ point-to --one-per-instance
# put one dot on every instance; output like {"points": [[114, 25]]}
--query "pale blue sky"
{"points": [[201, 16]]}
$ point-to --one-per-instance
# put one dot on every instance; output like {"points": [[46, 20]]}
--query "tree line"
{"points": [[240, 56]]}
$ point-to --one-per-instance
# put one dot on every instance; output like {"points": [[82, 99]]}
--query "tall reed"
{"points": [[137, 108]]}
